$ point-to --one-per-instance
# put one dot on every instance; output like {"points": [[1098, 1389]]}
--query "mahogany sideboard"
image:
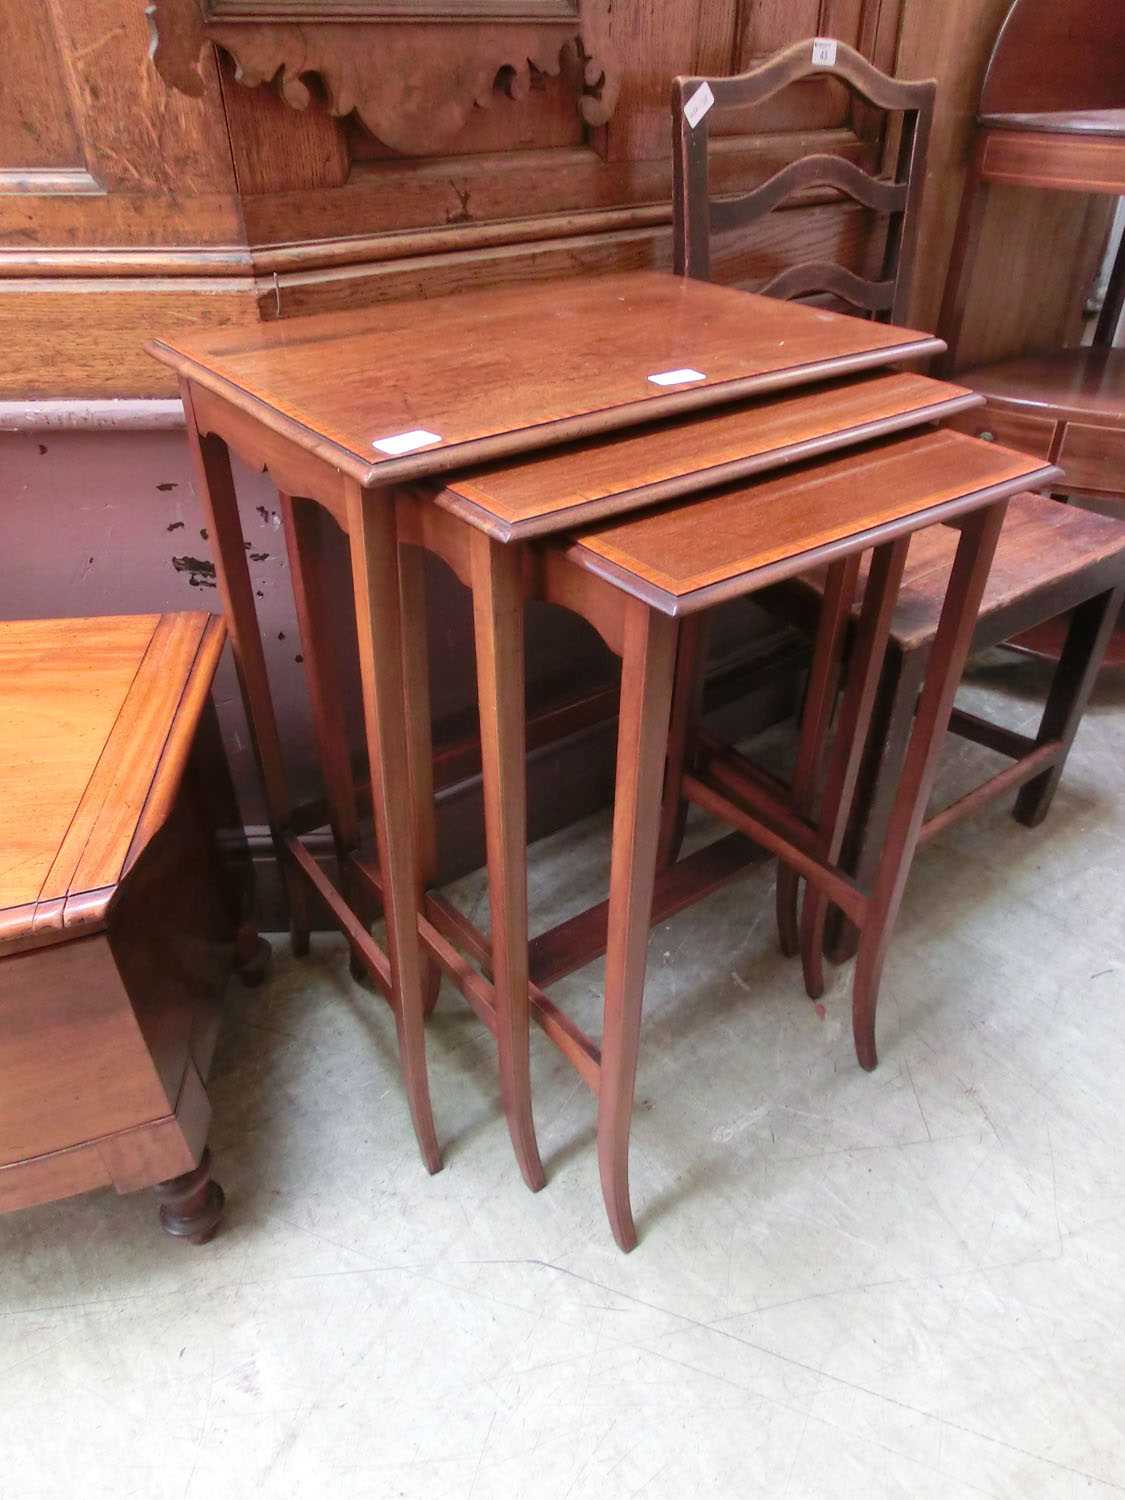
{"points": [[120, 918]]}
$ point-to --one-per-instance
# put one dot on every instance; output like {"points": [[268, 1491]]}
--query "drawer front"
{"points": [[1012, 429], [1094, 457]]}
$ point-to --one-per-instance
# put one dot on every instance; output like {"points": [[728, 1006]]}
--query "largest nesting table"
{"points": [[359, 412]]}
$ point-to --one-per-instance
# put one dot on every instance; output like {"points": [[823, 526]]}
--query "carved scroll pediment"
{"points": [[412, 71]]}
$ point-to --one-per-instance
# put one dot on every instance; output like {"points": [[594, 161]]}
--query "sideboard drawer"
{"points": [[1013, 429], [1094, 457]]}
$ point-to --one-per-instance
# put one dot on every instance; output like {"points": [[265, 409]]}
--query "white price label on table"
{"points": [[676, 377], [406, 442]]}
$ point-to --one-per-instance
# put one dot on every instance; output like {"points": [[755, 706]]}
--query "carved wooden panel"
{"points": [[414, 74]]}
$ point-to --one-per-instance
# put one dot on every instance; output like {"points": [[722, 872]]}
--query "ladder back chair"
{"points": [[895, 193], [1031, 590]]}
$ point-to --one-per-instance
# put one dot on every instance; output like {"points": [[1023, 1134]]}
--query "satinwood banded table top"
{"points": [[96, 717], [684, 557], [408, 389], [583, 481]]}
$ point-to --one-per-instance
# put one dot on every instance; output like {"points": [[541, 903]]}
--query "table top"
{"points": [[1083, 382], [1105, 122], [680, 558], [408, 389], [581, 482], [88, 710]]}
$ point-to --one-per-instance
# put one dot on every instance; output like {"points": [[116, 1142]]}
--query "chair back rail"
{"points": [[896, 193]]}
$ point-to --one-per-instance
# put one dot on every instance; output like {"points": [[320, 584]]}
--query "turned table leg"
{"points": [[191, 1206]]}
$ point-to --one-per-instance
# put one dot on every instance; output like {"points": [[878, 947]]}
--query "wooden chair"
{"points": [[896, 194], [1050, 559], [1035, 580]]}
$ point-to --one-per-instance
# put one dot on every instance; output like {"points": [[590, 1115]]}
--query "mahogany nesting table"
{"points": [[119, 920], [345, 409]]}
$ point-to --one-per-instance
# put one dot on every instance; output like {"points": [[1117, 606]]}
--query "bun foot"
{"points": [[191, 1206]]}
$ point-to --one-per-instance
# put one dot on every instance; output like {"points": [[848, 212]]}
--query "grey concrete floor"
{"points": [[906, 1284]]}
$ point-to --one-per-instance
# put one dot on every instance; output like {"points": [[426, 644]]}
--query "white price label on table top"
{"points": [[406, 442], [698, 105], [676, 377]]}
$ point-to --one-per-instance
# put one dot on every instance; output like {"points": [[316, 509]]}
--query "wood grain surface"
{"points": [[87, 708], [582, 481], [738, 535], [495, 372]]}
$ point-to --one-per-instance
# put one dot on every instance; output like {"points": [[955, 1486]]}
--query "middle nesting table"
{"points": [[345, 409]]}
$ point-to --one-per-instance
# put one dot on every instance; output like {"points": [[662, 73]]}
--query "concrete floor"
{"points": [[910, 1284]]}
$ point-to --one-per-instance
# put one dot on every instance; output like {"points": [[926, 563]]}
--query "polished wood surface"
{"points": [[1082, 383], [1066, 161], [88, 706], [686, 556], [1057, 57], [1043, 546], [582, 481], [532, 365], [113, 964], [1066, 403], [1107, 122]]}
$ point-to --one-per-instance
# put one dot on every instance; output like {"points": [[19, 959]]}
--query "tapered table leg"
{"points": [[647, 668], [215, 487], [816, 721], [499, 629], [419, 735], [687, 695], [373, 536], [865, 670], [967, 579], [303, 520]]}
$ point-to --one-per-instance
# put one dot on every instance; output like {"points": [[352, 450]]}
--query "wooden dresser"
{"points": [[119, 920]]}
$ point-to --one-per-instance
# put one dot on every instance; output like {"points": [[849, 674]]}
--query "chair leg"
{"points": [[687, 695], [420, 740], [816, 718], [882, 765], [372, 532], [865, 669], [647, 668], [499, 630], [1091, 627], [954, 636]]}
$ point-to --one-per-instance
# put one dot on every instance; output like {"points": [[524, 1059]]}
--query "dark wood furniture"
{"points": [[323, 403], [1050, 558], [1052, 117], [699, 216], [119, 920], [639, 581]]}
